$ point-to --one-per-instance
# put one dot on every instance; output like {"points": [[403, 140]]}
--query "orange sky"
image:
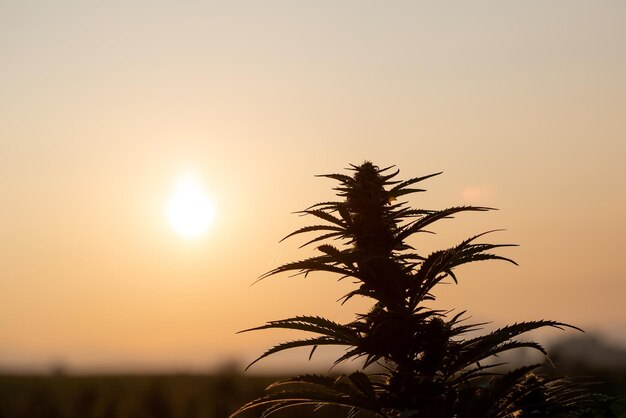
{"points": [[103, 106]]}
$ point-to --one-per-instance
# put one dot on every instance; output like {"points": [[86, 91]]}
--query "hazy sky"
{"points": [[103, 106]]}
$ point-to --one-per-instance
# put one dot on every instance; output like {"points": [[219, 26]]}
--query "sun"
{"points": [[190, 211]]}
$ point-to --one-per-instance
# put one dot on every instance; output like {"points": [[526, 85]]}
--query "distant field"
{"points": [[168, 396], [185, 396], [158, 396]]}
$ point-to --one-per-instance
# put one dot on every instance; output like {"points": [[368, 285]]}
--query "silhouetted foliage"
{"points": [[431, 366]]}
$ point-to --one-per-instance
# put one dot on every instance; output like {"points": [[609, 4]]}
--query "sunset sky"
{"points": [[106, 106]]}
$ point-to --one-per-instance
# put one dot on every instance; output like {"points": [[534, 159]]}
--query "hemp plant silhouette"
{"points": [[430, 366]]}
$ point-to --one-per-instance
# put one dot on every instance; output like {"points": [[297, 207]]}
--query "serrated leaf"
{"points": [[298, 343], [313, 228]]}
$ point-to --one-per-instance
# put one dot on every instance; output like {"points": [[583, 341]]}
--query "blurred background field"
{"points": [[158, 396], [217, 395], [136, 396]]}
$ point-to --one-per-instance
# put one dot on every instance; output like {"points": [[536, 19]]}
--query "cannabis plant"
{"points": [[431, 363]]}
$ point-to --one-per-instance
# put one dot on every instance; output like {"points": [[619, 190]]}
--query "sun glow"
{"points": [[190, 211]]}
